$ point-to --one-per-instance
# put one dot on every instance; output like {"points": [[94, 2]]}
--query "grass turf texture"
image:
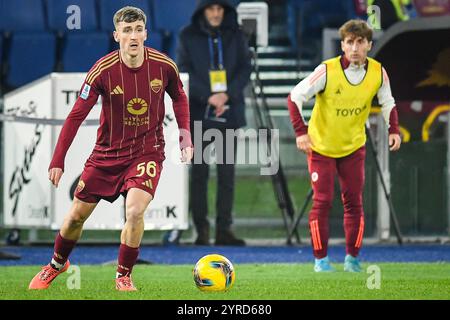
{"points": [[253, 282]]}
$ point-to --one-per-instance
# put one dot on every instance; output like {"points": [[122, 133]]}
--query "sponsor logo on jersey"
{"points": [[349, 112], [137, 106]]}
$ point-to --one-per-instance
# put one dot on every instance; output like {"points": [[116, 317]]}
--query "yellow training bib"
{"points": [[337, 124]]}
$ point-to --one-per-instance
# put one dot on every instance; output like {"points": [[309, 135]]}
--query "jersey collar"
{"points": [[345, 63]]}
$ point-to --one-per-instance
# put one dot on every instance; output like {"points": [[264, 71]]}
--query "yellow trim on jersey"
{"points": [[99, 64], [159, 57], [337, 124], [103, 67], [157, 53], [164, 59], [105, 59]]}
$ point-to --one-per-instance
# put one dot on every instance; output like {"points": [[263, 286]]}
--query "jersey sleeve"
{"points": [[387, 103], [88, 97], [180, 105]]}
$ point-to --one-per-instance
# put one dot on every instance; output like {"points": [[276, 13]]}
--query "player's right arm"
{"points": [[83, 105], [302, 92]]}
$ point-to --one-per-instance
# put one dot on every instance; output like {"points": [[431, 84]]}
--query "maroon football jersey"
{"points": [[131, 121]]}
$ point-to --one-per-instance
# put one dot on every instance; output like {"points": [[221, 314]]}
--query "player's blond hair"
{"points": [[356, 27], [129, 14]]}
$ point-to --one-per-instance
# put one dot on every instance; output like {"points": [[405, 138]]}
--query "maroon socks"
{"points": [[127, 259], [62, 249]]}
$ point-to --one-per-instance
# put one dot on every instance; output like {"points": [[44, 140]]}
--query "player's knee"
{"points": [[79, 213], [324, 203], [352, 201], [135, 213], [76, 220]]}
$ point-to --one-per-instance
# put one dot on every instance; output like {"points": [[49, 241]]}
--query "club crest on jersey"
{"points": [[156, 85], [137, 106], [85, 91]]}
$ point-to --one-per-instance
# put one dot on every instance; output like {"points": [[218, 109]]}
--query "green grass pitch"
{"points": [[253, 282]]}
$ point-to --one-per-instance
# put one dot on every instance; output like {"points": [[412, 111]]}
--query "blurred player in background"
{"points": [[334, 140], [391, 12], [128, 155]]}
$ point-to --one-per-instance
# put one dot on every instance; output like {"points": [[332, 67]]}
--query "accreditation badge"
{"points": [[218, 80]]}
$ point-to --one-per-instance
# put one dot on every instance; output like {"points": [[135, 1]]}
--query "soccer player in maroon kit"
{"points": [[128, 155]]}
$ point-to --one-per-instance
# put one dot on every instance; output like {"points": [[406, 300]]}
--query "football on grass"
{"points": [[214, 272]]}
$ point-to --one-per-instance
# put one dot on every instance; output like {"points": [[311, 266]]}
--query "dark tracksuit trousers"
{"points": [[225, 183]]}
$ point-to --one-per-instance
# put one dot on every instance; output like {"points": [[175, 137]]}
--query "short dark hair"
{"points": [[356, 27], [129, 14]]}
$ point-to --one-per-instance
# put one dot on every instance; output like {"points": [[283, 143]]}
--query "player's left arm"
{"points": [[181, 110], [389, 112]]}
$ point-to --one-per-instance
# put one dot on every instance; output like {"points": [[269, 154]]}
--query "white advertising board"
{"points": [[27, 152]]}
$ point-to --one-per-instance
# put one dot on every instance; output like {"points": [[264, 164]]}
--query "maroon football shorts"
{"points": [[107, 179]]}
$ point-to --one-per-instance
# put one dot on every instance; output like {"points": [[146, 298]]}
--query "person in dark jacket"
{"points": [[215, 54]]}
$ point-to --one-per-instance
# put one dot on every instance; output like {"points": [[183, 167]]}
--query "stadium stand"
{"points": [[235, 3], [81, 51], [63, 47], [25, 30], [170, 21], [1, 64], [1, 16], [16, 19], [1, 50], [77, 48], [307, 18], [26, 50], [1, 44], [57, 15], [155, 40]]}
